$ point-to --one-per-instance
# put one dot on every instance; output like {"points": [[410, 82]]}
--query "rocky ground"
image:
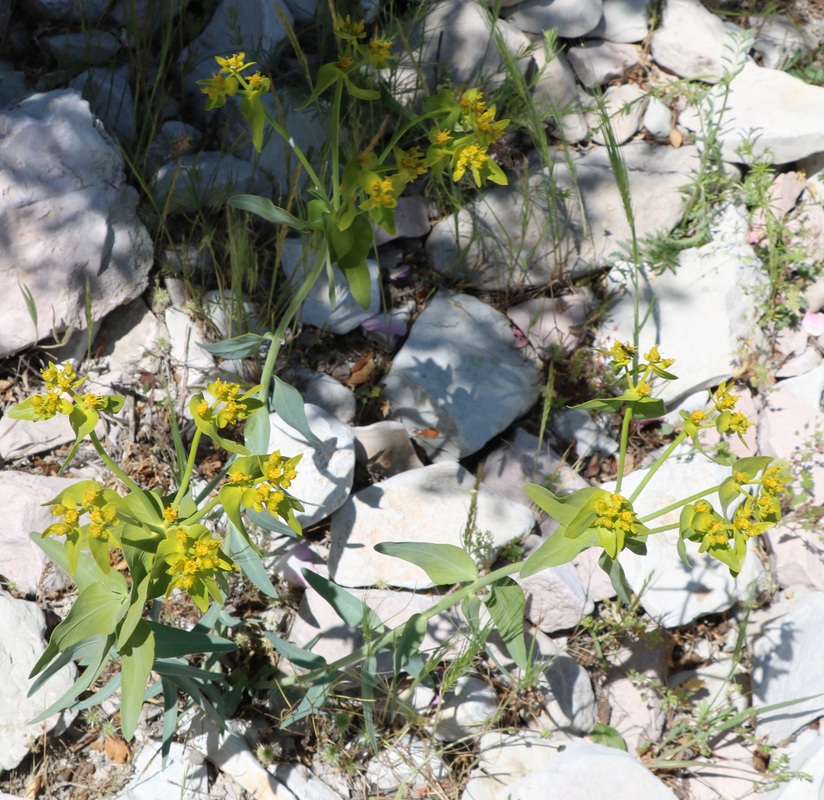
{"points": [[482, 320]]}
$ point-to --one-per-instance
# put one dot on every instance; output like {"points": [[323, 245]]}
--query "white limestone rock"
{"points": [[779, 40], [325, 473], [253, 26], [22, 563], [503, 758], [459, 375], [110, 99], [624, 106], [69, 218], [408, 765], [465, 710], [623, 21], [713, 294], [790, 132], [601, 61], [20, 438], [202, 180], [457, 41], [691, 41], [789, 423], [430, 504], [786, 651], [569, 18], [658, 118], [74, 11], [192, 362], [555, 598], [797, 555], [556, 95], [554, 322], [85, 47], [22, 628], [570, 223], [670, 592], [182, 776], [385, 448], [580, 772], [318, 627]]}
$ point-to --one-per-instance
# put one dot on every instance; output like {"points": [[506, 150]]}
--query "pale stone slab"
{"points": [[431, 504], [458, 380], [569, 18]]}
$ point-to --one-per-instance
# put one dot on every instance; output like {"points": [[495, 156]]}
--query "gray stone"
{"points": [[658, 118], [325, 473], [624, 107], [384, 448], [75, 11], [600, 62], [85, 47], [669, 591], [465, 710], [69, 218], [623, 21], [22, 627], [250, 26], [554, 323], [797, 555], [806, 760], [342, 316], [691, 41], [555, 598], [318, 627], [459, 375], [180, 777], [567, 698], [569, 18], [589, 434], [145, 16], [12, 85], [331, 395], [556, 97], [561, 221], [785, 652], [790, 423], [713, 293], [791, 131], [580, 771], [430, 504], [411, 220], [456, 41], [22, 438], [303, 784], [110, 98], [505, 757], [202, 180], [22, 563], [779, 40], [192, 362], [409, 765]]}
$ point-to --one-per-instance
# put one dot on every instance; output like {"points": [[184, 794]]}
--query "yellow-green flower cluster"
{"points": [[228, 406], [616, 521], [58, 381], [194, 561], [463, 136], [229, 81], [639, 376], [103, 523], [722, 416], [269, 493]]}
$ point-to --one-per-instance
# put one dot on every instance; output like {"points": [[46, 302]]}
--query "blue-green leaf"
{"points": [[443, 563], [290, 407], [244, 346], [507, 607], [352, 611], [137, 658], [265, 208]]}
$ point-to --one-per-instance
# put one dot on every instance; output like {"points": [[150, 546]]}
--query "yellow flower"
{"points": [[381, 194], [621, 353], [697, 417], [235, 63], [643, 389], [50, 376], [92, 400], [46, 406], [171, 514], [378, 53], [472, 157], [441, 137], [739, 423], [344, 63], [258, 83]]}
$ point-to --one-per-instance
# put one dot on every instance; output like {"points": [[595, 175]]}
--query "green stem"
{"points": [[285, 321], [671, 527], [657, 465], [336, 103], [281, 131], [390, 637], [202, 512], [190, 466], [679, 504], [402, 131], [622, 452], [136, 490]]}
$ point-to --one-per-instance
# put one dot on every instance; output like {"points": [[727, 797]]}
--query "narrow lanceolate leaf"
{"points": [[244, 346], [137, 658], [408, 646], [265, 208], [561, 509], [350, 609], [558, 549], [289, 404], [507, 607], [443, 563]]}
